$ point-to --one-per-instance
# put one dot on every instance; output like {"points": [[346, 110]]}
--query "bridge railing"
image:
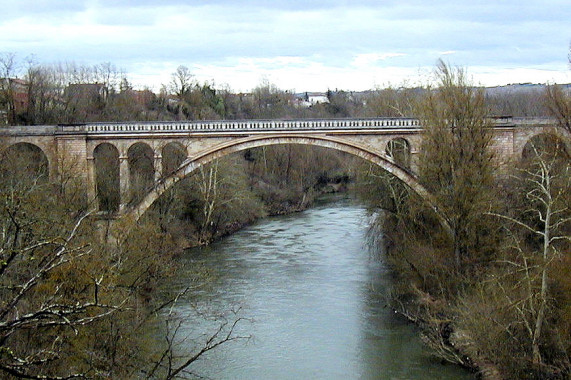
{"points": [[251, 125], [265, 125], [242, 125]]}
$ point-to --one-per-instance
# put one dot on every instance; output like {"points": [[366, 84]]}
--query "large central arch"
{"points": [[236, 145]]}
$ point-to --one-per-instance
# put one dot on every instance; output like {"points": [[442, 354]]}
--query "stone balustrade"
{"points": [[241, 125], [404, 124]]}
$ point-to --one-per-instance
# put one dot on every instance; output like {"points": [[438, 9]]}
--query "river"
{"points": [[314, 299]]}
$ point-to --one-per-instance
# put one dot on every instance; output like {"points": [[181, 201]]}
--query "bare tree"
{"points": [[223, 198], [108, 75], [44, 93], [269, 102], [8, 70], [58, 285], [175, 360], [38, 245], [182, 82], [547, 184], [392, 102], [558, 101]]}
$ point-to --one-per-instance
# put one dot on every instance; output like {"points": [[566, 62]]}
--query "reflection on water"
{"points": [[315, 300]]}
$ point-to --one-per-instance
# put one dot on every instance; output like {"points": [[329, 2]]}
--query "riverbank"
{"points": [[438, 331], [470, 318], [432, 314]]}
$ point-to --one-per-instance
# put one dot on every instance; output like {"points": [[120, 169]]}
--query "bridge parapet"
{"points": [[242, 125], [404, 124], [273, 125]]}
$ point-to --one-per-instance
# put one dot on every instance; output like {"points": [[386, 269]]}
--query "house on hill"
{"points": [[308, 99], [87, 92]]}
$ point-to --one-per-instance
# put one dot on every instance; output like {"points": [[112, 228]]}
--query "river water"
{"points": [[314, 299]]}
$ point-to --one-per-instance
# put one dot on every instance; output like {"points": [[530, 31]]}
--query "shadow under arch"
{"points": [[141, 160], [107, 177], [24, 163], [173, 155], [550, 144], [192, 163]]}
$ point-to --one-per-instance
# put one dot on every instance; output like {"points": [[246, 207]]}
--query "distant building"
{"points": [[308, 99], [21, 99], [87, 92], [317, 97]]}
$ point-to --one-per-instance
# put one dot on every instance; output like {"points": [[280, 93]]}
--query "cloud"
{"points": [[370, 59], [295, 42]]}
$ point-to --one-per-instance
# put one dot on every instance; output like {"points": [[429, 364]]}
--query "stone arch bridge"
{"points": [[169, 151]]}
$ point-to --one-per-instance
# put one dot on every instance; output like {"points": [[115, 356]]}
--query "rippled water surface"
{"points": [[314, 298]]}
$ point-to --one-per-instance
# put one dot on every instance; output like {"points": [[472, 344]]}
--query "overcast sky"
{"points": [[302, 45]]}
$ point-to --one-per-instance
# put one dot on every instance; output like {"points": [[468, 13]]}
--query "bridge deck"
{"points": [[307, 125]]}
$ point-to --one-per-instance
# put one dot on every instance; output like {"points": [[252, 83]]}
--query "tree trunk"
{"points": [[543, 293]]}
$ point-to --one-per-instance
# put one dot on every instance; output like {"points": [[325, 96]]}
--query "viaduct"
{"points": [[161, 153]]}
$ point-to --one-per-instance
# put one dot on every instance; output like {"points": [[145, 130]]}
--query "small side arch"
{"points": [[192, 163], [141, 158], [546, 143], [24, 163], [399, 150], [173, 155], [107, 177]]}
